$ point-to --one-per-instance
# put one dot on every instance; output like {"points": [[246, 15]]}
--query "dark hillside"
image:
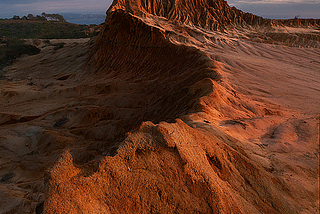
{"points": [[26, 29]]}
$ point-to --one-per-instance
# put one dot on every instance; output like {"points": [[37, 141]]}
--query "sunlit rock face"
{"points": [[209, 14], [175, 107]]}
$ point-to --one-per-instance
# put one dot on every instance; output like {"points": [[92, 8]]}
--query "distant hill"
{"points": [[26, 29], [46, 26]]}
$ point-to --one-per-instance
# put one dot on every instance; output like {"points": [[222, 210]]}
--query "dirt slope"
{"points": [[159, 116]]}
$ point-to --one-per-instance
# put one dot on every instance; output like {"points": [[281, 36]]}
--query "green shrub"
{"points": [[11, 49], [58, 46], [27, 29]]}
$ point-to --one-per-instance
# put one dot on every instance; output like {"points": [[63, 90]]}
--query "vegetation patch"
{"points": [[58, 45], [13, 48], [46, 26]]}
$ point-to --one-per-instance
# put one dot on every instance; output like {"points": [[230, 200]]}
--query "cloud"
{"points": [[18, 1], [265, 8], [282, 9], [276, 1]]}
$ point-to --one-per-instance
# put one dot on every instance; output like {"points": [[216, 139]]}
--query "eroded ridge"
{"points": [[160, 113]]}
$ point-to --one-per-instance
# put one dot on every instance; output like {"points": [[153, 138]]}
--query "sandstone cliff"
{"points": [[161, 113]]}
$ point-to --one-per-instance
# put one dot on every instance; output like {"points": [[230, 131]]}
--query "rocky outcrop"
{"points": [[168, 168], [167, 164], [146, 118], [209, 14]]}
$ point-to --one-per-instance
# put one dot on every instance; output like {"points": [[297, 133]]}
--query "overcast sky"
{"points": [[265, 8], [8, 8], [279, 8]]}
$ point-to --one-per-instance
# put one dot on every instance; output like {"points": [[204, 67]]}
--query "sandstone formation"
{"points": [[176, 107], [213, 15]]}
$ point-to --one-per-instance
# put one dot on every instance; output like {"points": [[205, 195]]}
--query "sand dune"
{"points": [[165, 112]]}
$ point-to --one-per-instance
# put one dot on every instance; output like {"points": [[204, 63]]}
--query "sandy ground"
{"points": [[262, 112]]}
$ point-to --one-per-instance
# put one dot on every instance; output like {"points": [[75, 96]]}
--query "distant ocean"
{"points": [[87, 21]]}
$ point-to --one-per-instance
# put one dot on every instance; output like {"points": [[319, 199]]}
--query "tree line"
{"points": [[44, 17]]}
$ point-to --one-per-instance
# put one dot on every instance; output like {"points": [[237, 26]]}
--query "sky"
{"points": [[279, 9], [8, 8], [264, 8]]}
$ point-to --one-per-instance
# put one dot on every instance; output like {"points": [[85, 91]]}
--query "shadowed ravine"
{"points": [[175, 107]]}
